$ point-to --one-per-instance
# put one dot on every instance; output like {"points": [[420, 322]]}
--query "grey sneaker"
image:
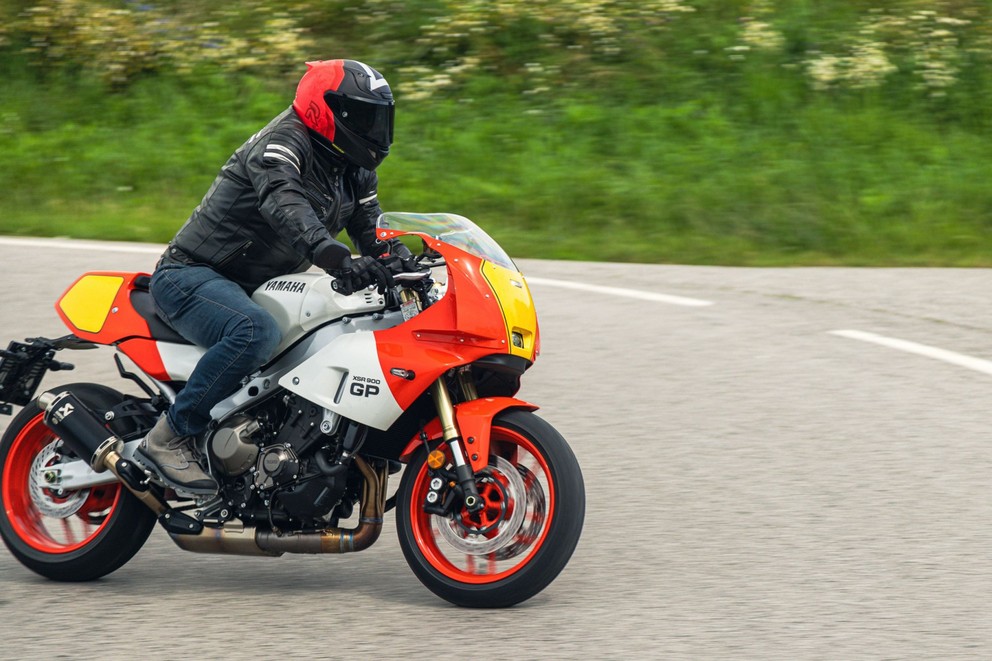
{"points": [[172, 458]]}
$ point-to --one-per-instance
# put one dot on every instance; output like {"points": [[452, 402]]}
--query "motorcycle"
{"points": [[421, 379]]}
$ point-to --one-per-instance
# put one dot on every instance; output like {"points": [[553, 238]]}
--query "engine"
{"points": [[279, 463]]}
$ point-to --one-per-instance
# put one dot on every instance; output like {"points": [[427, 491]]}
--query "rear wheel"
{"points": [[534, 505], [65, 535]]}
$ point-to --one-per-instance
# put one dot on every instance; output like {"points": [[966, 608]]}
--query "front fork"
{"points": [[449, 427]]}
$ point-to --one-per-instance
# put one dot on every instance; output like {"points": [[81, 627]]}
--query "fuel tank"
{"points": [[299, 303], [304, 301]]}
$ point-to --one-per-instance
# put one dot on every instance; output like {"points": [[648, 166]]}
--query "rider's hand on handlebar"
{"points": [[397, 264], [399, 259], [358, 273], [331, 256]]}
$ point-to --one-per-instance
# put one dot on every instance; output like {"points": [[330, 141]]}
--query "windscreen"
{"points": [[450, 228]]}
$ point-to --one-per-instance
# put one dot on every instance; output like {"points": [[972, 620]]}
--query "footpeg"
{"points": [[179, 523]]}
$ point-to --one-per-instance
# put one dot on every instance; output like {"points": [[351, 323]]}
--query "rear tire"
{"points": [[524, 536], [71, 536]]}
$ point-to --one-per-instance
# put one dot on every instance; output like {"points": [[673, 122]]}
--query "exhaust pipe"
{"points": [[79, 428], [238, 539], [85, 434]]}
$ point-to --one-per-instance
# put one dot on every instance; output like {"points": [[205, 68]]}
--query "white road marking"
{"points": [[82, 244], [617, 291], [959, 359], [145, 249]]}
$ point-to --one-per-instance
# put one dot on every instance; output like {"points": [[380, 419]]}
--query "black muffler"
{"points": [[89, 438], [79, 428]]}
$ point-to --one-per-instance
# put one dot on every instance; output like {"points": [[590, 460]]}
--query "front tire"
{"points": [[65, 536], [524, 536]]}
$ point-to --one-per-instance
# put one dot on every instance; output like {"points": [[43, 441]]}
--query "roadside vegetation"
{"points": [[686, 131]]}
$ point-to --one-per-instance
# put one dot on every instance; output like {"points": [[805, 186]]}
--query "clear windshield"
{"points": [[450, 228]]}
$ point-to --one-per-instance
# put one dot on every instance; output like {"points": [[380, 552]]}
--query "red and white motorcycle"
{"points": [[491, 501]]}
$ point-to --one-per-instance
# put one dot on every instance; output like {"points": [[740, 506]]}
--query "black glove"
{"points": [[399, 259], [396, 264], [358, 273], [331, 256]]}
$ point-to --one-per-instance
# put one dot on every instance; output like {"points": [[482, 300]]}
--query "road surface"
{"points": [[758, 485]]}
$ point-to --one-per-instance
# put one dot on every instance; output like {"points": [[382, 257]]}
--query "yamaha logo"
{"points": [[291, 286]]}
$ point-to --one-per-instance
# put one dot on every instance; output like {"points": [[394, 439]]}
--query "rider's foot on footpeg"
{"points": [[172, 458]]}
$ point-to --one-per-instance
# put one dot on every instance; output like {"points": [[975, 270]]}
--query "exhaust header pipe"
{"points": [[85, 434], [236, 539]]}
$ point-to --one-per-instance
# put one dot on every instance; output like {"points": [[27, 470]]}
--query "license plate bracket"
{"points": [[22, 367]]}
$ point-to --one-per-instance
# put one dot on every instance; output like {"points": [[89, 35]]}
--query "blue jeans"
{"points": [[215, 313]]}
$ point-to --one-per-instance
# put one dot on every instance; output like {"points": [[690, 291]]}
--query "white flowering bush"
{"points": [[929, 45], [437, 47], [491, 36], [120, 41]]}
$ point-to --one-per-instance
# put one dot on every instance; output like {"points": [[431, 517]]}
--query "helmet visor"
{"points": [[371, 120]]}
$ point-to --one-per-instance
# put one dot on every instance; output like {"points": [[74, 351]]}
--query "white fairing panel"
{"points": [[303, 301], [179, 359], [346, 378]]}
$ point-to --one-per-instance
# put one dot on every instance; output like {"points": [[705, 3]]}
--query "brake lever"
{"points": [[411, 276], [430, 262]]}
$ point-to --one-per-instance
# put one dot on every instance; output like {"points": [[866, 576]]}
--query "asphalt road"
{"points": [[756, 488]]}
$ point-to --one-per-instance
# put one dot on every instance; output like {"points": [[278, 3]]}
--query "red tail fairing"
{"points": [[97, 308]]}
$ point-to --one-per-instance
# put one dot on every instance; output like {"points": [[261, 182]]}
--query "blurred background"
{"points": [[740, 132]]}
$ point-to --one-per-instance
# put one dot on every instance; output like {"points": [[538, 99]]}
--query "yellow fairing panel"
{"points": [[88, 302], [519, 314]]}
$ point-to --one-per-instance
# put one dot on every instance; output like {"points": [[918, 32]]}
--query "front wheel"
{"points": [[534, 506], [65, 535]]}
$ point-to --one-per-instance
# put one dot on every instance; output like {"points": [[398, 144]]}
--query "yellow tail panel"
{"points": [[87, 304]]}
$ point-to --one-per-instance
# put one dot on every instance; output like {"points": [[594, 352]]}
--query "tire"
{"points": [[75, 536], [523, 537]]}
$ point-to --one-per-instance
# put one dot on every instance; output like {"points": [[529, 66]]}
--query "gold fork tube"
{"points": [[445, 409]]}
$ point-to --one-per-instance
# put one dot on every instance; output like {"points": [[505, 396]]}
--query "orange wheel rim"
{"points": [[505, 503], [62, 529]]}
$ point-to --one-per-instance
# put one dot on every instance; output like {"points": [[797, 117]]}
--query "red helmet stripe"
{"points": [[309, 104]]}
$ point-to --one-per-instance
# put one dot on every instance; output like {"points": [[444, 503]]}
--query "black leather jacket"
{"points": [[276, 201]]}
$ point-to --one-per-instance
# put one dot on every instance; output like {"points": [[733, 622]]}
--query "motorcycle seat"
{"points": [[141, 301]]}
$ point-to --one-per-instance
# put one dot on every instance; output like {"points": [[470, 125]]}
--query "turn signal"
{"points": [[435, 459]]}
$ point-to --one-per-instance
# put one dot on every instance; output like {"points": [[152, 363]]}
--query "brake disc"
{"points": [[44, 495], [471, 542]]}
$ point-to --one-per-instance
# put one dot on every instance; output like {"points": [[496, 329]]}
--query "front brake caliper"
{"points": [[443, 492]]}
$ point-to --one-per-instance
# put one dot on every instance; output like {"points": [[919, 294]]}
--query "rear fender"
{"points": [[475, 422]]}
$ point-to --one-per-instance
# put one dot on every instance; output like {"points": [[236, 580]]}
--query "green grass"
{"points": [[690, 182], [672, 153]]}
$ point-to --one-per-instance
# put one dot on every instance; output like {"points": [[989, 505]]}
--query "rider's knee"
{"points": [[261, 335]]}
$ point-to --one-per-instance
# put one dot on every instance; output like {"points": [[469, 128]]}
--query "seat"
{"points": [[141, 301]]}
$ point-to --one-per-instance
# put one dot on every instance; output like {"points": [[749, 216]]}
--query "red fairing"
{"points": [[309, 103], [122, 321], [123, 326], [461, 328], [145, 354], [475, 421]]}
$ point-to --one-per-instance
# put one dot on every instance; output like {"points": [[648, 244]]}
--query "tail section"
{"points": [[114, 309]]}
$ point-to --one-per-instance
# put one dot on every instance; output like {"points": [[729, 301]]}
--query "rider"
{"points": [[274, 209]]}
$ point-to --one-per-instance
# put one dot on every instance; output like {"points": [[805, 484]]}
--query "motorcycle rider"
{"points": [[274, 209]]}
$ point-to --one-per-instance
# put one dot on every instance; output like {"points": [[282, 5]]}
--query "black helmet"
{"points": [[350, 105]]}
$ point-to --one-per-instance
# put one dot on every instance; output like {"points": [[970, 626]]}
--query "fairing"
{"points": [[368, 372]]}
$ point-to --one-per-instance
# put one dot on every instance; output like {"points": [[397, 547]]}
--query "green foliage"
{"points": [[731, 131], [119, 41]]}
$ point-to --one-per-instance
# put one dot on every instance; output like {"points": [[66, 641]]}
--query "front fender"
{"points": [[475, 421]]}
